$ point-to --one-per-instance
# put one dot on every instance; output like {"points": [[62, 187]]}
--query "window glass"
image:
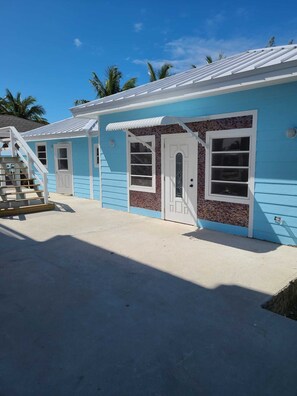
{"points": [[142, 167], [141, 170], [62, 164], [62, 152], [231, 144], [229, 166], [140, 148], [141, 159], [141, 181], [230, 159], [231, 174], [239, 190], [41, 153], [179, 175]]}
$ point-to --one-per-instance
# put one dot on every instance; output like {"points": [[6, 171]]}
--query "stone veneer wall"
{"points": [[221, 212]]}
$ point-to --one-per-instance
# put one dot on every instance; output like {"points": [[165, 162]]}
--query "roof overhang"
{"points": [[214, 87], [60, 131]]}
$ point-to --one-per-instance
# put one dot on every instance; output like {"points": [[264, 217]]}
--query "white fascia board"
{"points": [[139, 103], [57, 136]]}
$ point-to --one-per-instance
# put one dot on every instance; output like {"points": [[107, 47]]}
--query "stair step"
{"points": [[27, 209], [23, 192], [25, 179], [20, 186]]}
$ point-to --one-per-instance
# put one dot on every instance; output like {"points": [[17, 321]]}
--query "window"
{"points": [[142, 164], [228, 165], [62, 158], [179, 175], [41, 153], [96, 155]]}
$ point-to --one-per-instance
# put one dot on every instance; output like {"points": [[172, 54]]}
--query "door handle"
{"points": [[191, 185]]}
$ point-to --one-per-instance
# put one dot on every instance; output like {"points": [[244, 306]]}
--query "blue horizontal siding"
{"points": [[227, 228], [80, 165], [276, 158]]}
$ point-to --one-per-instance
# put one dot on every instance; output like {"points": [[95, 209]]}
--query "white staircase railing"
{"points": [[20, 148]]}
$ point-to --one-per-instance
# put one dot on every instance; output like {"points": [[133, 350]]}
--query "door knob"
{"points": [[191, 185]]}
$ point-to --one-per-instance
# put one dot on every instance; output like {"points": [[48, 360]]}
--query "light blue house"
{"points": [[214, 146]]}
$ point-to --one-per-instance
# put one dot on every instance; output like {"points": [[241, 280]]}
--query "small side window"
{"points": [[41, 153], [96, 155]]}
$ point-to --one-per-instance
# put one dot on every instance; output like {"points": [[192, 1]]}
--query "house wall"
{"points": [[221, 212], [81, 178], [276, 156]]}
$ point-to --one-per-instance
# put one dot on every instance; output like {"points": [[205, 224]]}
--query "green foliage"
{"points": [[23, 108], [110, 86], [158, 74], [80, 101], [271, 42]]}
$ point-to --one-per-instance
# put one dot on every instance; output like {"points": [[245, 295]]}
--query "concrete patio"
{"points": [[98, 302]]}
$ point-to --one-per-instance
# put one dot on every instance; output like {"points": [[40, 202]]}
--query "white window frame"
{"points": [[231, 133], [145, 139], [96, 146], [36, 149]]}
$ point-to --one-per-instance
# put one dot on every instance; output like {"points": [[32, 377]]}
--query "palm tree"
{"points": [[271, 42], [158, 74], [78, 102], [209, 58], [23, 108], [112, 82], [110, 86]]}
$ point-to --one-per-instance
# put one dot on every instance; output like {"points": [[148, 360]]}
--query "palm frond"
{"points": [[151, 72], [164, 71], [98, 85], [78, 102], [208, 59], [129, 84]]}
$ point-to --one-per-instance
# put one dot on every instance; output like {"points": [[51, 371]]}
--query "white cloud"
{"points": [[77, 42], [138, 27], [186, 51]]}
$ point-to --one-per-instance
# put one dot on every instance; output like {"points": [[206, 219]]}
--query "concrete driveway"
{"points": [[98, 302]]}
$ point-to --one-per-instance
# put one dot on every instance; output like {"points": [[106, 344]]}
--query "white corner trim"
{"points": [[90, 166]]}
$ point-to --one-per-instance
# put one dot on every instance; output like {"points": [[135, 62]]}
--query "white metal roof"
{"points": [[242, 71], [72, 127]]}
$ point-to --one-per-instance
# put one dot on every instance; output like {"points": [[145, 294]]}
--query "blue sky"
{"points": [[51, 47]]}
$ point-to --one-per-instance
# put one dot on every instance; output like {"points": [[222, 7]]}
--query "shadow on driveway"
{"points": [[76, 319]]}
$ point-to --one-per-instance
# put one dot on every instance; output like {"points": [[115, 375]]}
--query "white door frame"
{"points": [[70, 164], [163, 137]]}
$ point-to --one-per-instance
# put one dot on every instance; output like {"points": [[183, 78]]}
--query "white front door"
{"points": [[180, 171], [63, 165]]}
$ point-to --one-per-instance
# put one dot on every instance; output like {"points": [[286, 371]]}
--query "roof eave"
{"points": [[204, 89]]}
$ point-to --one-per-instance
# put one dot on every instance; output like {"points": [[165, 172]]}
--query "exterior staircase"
{"points": [[23, 178]]}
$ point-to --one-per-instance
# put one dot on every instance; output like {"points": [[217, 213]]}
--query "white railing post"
{"points": [[30, 167], [45, 188], [12, 142]]}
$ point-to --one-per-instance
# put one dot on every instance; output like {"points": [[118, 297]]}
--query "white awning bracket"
{"points": [[188, 130], [153, 122], [138, 138]]}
